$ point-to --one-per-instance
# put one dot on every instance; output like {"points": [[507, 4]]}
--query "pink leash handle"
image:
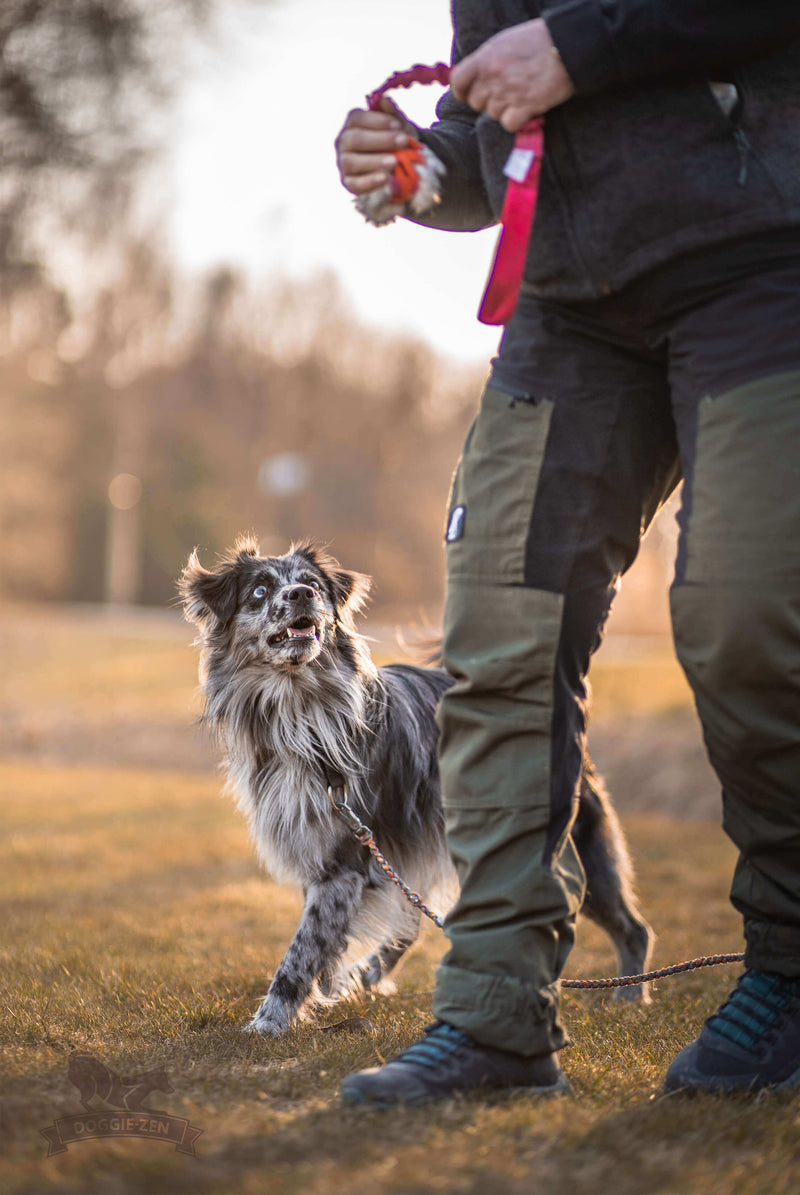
{"points": [[523, 170], [440, 73]]}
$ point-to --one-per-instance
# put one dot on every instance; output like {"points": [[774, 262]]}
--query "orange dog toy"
{"points": [[416, 178]]}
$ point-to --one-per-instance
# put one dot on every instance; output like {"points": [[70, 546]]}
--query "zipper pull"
{"points": [[745, 149]]}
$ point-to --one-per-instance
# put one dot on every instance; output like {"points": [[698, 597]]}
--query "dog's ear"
{"points": [[246, 546], [350, 590], [206, 593]]}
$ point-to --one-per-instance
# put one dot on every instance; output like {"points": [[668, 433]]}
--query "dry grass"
{"points": [[137, 928]]}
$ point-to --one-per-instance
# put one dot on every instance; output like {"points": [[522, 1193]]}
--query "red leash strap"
{"points": [[522, 170]]}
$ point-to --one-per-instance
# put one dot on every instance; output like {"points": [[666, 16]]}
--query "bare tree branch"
{"points": [[83, 86]]}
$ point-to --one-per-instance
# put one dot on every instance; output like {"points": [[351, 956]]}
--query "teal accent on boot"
{"points": [[446, 1063], [752, 1043]]}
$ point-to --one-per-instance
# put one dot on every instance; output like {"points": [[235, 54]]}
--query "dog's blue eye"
{"points": [[260, 591]]}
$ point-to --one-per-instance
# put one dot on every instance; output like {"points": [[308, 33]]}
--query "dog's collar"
{"points": [[333, 777]]}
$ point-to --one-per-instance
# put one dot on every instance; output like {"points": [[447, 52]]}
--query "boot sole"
{"points": [[355, 1097], [716, 1085]]}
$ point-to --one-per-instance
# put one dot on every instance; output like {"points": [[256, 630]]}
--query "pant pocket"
{"points": [[500, 644], [495, 487]]}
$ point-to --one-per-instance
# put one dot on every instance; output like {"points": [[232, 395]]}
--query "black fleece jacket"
{"points": [[643, 163]]}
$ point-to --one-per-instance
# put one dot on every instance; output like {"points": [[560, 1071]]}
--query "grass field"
{"points": [[137, 928]]}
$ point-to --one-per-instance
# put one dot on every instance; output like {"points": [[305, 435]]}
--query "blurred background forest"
{"points": [[130, 435], [146, 408]]}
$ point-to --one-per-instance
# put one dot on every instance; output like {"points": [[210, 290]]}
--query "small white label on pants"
{"points": [[455, 527]]}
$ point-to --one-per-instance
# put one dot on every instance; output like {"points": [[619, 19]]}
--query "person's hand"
{"points": [[514, 76], [365, 146]]}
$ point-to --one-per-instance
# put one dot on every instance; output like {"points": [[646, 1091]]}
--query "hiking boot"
{"points": [[752, 1043], [445, 1063]]}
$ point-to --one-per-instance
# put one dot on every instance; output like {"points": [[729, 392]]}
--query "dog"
{"points": [[297, 704]]}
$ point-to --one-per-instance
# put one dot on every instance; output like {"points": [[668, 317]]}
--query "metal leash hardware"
{"points": [[366, 838]]}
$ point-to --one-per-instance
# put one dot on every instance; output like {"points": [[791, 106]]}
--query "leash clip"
{"points": [[362, 832]]}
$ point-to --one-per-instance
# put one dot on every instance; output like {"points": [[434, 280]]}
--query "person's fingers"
{"points": [[515, 75], [366, 144], [384, 117], [366, 134], [366, 175], [366, 163], [496, 108], [478, 97], [370, 141], [364, 149], [512, 119], [390, 108], [364, 171], [364, 120], [462, 77], [359, 184]]}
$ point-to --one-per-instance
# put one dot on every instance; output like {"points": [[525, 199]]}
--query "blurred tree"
{"points": [[84, 102], [82, 90], [36, 431]]}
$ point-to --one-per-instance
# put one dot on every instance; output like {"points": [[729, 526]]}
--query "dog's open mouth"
{"points": [[304, 628]]}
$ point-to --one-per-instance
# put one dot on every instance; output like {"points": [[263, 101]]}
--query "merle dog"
{"points": [[295, 699]]}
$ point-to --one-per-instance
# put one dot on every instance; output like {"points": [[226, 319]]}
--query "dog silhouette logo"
{"points": [[122, 1111], [96, 1081]]}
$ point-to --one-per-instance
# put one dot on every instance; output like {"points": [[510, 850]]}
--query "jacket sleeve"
{"points": [[612, 43], [465, 205], [453, 138]]}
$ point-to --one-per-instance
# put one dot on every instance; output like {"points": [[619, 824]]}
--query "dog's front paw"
{"points": [[271, 1020]]}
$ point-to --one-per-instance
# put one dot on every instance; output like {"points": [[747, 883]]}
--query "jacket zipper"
{"points": [[745, 149]]}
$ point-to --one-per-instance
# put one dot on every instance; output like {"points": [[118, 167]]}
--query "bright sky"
{"points": [[254, 176]]}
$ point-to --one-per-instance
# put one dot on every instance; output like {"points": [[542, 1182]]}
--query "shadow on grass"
{"points": [[509, 1146], [272, 1122]]}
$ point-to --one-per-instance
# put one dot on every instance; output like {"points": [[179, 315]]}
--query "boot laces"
{"points": [[755, 1010], [440, 1042]]}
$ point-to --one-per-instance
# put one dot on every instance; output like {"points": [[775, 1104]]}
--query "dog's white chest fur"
{"points": [[277, 773], [290, 817]]}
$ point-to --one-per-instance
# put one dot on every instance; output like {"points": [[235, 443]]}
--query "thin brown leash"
{"points": [[365, 837], [623, 981], [337, 794]]}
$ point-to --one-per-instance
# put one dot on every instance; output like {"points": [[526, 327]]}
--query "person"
{"points": [[657, 333]]}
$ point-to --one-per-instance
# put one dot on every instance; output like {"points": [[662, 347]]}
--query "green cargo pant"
{"points": [[558, 479]]}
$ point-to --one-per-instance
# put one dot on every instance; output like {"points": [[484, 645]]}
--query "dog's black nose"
{"points": [[300, 593]]}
